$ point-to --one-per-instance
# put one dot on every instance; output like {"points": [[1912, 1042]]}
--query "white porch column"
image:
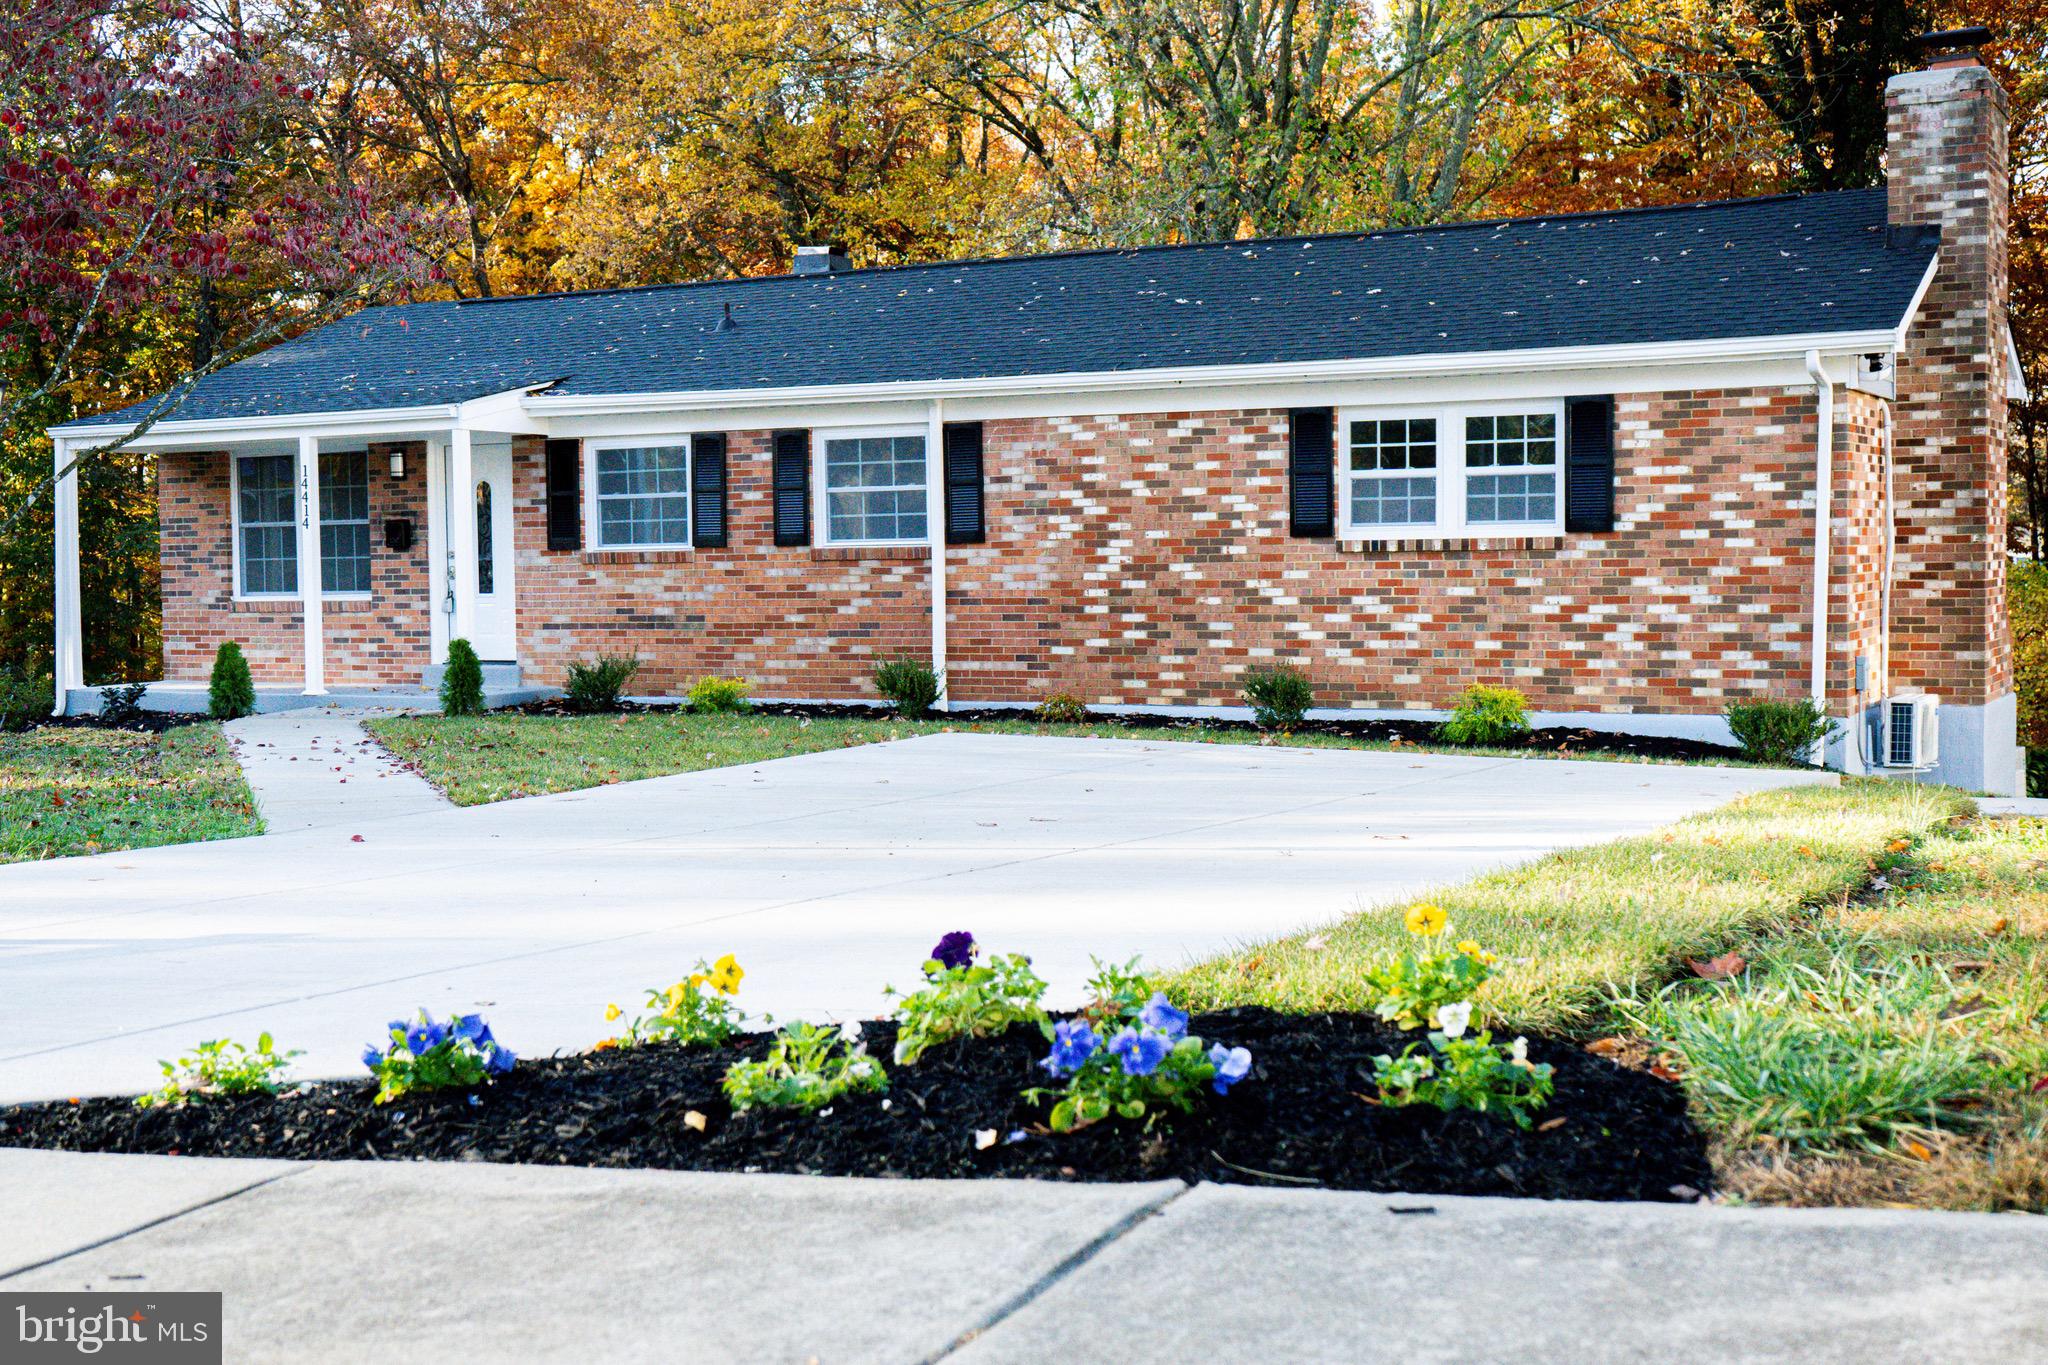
{"points": [[69, 660], [439, 557], [935, 526], [311, 596], [462, 533]]}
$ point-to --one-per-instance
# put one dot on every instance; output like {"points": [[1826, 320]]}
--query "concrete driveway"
{"points": [[829, 875]]}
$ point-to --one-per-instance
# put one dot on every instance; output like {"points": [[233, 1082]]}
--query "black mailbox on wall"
{"points": [[398, 534]]}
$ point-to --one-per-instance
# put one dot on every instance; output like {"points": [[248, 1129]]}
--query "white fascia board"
{"points": [[1211, 376], [501, 412], [1787, 372]]}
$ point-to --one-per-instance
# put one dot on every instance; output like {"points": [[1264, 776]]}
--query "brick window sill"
{"points": [[907, 553], [1449, 545], [289, 606], [677, 555]]}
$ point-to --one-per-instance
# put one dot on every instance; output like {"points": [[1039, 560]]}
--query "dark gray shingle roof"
{"points": [[1744, 268]]}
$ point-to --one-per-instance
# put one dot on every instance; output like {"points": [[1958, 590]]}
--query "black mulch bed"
{"points": [[1559, 739], [1608, 1133]]}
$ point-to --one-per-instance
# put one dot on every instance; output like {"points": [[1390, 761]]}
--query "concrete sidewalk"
{"points": [[421, 1261], [319, 769]]}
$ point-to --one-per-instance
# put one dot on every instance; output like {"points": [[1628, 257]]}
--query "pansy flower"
{"points": [[1140, 1051], [1073, 1043], [1160, 1015], [1232, 1065]]}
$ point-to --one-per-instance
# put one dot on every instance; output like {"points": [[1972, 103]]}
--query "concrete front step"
{"points": [[498, 677], [187, 697]]}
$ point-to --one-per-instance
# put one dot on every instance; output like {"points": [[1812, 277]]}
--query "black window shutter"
{"points": [[792, 480], [565, 495], [1311, 472], [966, 519], [1589, 464], [707, 490]]}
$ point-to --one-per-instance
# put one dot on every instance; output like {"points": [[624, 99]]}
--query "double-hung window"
{"points": [[1451, 470], [641, 494], [874, 488], [345, 522], [267, 524]]}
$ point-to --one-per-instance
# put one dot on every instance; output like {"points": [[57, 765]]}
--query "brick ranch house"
{"points": [[1611, 459]]}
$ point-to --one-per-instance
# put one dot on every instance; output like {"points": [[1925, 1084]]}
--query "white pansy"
{"points": [[850, 1030], [1452, 1019], [1519, 1053]]}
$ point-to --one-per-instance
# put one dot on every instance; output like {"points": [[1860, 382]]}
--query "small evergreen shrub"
{"points": [[22, 699], [121, 704], [596, 685], [1280, 696], [1778, 731], [231, 692], [1062, 708], [462, 681], [718, 696], [908, 682], [1487, 715]]}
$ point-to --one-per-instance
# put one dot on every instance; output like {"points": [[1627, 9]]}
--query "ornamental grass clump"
{"points": [[1279, 697], [424, 1055], [910, 683], [696, 1011], [218, 1068], [720, 696], [807, 1067], [960, 999], [1487, 716], [1123, 1059]]}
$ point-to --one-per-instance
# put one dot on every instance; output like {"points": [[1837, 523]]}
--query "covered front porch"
{"points": [[341, 551]]}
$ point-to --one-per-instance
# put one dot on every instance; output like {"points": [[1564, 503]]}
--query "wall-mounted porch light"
{"points": [[397, 464]]}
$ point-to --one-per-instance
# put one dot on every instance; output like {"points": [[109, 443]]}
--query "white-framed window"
{"points": [[872, 487], [1460, 469], [640, 493], [266, 526], [345, 523]]}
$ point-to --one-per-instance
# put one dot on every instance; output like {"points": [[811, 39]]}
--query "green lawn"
{"points": [[495, 757], [65, 791]]}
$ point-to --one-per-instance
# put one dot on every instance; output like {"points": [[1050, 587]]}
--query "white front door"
{"points": [[490, 502]]}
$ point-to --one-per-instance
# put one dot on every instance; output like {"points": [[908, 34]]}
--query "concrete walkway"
{"points": [[420, 1261], [318, 769], [829, 875]]}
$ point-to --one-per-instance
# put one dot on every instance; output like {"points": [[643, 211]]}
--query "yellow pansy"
{"points": [[1426, 920], [612, 1012], [726, 974], [679, 990]]}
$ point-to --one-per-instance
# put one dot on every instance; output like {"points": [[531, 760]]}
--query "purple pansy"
{"points": [[469, 1028], [1073, 1043], [955, 950], [1232, 1065], [373, 1056], [424, 1035], [498, 1060], [1160, 1015], [1140, 1051]]}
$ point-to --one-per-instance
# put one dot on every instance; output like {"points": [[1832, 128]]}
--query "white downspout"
{"points": [[935, 526], [1823, 501], [68, 662]]}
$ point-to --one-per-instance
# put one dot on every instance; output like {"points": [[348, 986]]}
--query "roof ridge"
{"points": [[1356, 234]]}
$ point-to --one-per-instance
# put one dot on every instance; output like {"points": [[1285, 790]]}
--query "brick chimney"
{"points": [[1946, 167]]}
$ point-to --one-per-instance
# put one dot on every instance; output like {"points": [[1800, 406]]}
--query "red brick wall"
{"points": [[1947, 166], [796, 622], [1145, 560], [380, 641]]}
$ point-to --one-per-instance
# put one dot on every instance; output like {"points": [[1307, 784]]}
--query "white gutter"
{"points": [[1790, 348], [935, 528], [1823, 499]]}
